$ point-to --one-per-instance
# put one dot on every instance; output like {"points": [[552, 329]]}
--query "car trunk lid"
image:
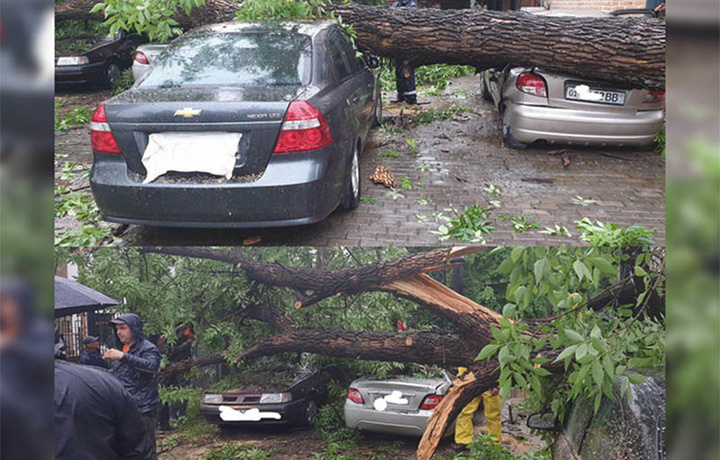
{"points": [[254, 113], [400, 395]]}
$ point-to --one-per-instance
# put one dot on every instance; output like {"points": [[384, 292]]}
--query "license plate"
{"points": [[204, 152], [600, 96]]}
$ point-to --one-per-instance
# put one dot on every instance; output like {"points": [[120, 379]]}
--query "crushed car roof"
{"points": [[309, 27]]}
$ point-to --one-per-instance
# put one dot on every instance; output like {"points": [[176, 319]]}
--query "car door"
{"points": [[363, 81], [353, 88]]}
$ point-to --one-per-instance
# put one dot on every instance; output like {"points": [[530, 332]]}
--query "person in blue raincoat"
{"points": [[136, 366], [404, 72]]}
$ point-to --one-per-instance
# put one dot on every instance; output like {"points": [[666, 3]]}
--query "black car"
{"points": [[238, 125], [101, 64], [278, 397]]}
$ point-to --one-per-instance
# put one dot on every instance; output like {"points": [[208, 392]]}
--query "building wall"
{"points": [[601, 5]]}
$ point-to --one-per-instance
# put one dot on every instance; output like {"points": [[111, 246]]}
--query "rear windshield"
{"points": [[233, 59]]}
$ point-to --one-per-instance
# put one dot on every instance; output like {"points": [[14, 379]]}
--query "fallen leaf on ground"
{"points": [[252, 240]]}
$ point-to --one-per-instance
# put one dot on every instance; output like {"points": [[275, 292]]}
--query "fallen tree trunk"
{"points": [[624, 51]]}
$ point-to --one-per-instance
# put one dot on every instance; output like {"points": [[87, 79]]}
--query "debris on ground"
{"points": [[383, 176]]}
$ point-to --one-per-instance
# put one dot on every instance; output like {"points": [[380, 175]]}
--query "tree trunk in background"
{"points": [[624, 51]]}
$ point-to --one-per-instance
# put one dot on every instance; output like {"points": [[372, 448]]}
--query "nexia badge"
{"points": [[187, 112]]}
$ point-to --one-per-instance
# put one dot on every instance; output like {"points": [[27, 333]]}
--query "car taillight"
{"points": [[531, 84], [304, 128], [101, 136], [431, 402], [654, 97], [141, 58], [354, 396]]}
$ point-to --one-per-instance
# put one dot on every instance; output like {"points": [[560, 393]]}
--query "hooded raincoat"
{"points": [[95, 418], [138, 369]]}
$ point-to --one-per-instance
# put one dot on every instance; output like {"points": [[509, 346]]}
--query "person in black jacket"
{"points": [[404, 72], [90, 356], [136, 366], [95, 417]]}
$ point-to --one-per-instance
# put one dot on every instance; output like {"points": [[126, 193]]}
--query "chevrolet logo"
{"points": [[187, 112]]}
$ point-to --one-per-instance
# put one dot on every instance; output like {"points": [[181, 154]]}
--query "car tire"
{"points": [[377, 115], [351, 196], [112, 73], [310, 412], [508, 137], [484, 90]]}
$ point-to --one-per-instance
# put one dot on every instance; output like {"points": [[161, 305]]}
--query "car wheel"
{"points": [[351, 196], [484, 90], [377, 116], [112, 73], [507, 133], [311, 411]]}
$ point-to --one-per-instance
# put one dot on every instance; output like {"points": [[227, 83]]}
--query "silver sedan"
{"points": [[537, 105], [399, 406]]}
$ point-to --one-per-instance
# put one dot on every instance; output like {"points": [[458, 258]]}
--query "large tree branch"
{"points": [[458, 396], [325, 283], [420, 347]]}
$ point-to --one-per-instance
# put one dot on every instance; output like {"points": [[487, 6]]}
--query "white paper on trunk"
{"points": [[207, 152]]}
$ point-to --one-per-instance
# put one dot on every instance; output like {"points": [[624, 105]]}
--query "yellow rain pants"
{"points": [[491, 408]]}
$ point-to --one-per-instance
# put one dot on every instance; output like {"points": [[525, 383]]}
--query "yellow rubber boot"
{"points": [[491, 406], [464, 423]]}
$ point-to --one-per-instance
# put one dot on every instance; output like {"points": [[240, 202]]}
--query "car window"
{"points": [[342, 64], [233, 59], [349, 52]]}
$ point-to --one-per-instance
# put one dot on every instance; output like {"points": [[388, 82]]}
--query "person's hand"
{"points": [[115, 355], [660, 8]]}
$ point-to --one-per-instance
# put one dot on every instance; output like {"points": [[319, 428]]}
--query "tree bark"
{"points": [[421, 347], [622, 51], [629, 51]]}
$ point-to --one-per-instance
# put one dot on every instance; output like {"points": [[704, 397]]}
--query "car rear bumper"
{"points": [[535, 123], [292, 412], [138, 70], [88, 73], [359, 417], [294, 191]]}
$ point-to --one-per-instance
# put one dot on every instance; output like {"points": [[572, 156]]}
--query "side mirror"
{"points": [[372, 62], [543, 422]]}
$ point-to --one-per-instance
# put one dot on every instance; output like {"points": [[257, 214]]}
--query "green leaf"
{"points": [[535, 384], [541, 372], [569, 351], [581, 351], [595, 333], [608, 365], [504, 355], [519, 294], [516, 253], [540, 267], [521, 380], [574, 336], [581, 270], [487, 351], [635, 379], [598, 373], [604, 265], [509, 309], [505, 323], [639, 271]]}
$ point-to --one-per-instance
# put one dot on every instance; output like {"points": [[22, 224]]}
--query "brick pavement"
{"points": [[456, 160]]}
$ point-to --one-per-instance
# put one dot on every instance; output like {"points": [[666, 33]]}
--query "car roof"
{"points": [[309, 27]]}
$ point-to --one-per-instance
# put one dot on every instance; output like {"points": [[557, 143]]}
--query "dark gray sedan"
{"points": [[238, 125]]}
